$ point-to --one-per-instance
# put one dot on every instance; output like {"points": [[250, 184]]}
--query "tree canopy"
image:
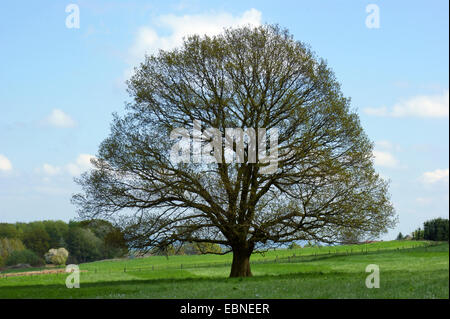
{"points": [[324, 186], [436, 229]]}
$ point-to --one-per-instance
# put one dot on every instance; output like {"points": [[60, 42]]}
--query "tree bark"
{"points": [[241, 263]]}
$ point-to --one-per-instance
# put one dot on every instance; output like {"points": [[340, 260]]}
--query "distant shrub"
{"points": [[57, 256], [48, 256], [294, 246], [25, 256]]}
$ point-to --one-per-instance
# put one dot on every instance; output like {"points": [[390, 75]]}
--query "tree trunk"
{"points": [[241, 263]]}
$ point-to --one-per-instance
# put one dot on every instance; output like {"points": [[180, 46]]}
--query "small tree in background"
{"points": [[400, 236], [418, 234], [57, 256]]}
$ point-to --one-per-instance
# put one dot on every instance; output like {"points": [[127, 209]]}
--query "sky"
{"points": [[63, 67]]}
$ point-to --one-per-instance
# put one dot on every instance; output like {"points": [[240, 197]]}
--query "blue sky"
{"points": [[59, 86]]}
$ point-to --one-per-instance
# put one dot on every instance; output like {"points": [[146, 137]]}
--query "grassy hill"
{"points": [[407, 270]]}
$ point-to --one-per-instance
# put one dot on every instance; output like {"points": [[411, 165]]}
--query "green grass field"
{"points": [[407, 270]]}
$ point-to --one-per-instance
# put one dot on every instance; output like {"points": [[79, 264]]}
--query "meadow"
{"points": [[408, 269]]}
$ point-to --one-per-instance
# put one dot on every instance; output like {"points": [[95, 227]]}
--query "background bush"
{"points": [[56, 256], [7, 246], [25, 256]]}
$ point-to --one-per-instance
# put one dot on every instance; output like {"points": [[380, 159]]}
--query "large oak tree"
{"points": [[324, 187]]}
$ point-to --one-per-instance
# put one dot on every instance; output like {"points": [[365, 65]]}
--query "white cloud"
{"points": [[385, 159], [149, 41], [59, 119], [82, 163], [51, 170], [431, 106], [438, 175], [5, 164]]}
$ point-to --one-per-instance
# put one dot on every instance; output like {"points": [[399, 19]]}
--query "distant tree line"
{"points": [[85, 241], [434, 229]]}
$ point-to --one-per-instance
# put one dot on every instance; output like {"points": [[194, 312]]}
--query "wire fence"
{"points": [[320, 253], [324, 253]]}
